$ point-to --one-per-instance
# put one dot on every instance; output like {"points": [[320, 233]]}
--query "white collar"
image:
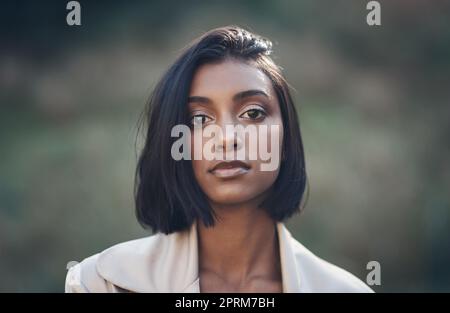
{"points": [[169, 263]]}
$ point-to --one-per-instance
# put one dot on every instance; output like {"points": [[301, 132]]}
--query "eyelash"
{"points": [[260, 111], [204, 117], [197, 115]]}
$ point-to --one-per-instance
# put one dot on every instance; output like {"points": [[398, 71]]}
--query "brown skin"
{"points": [[241, 252]]}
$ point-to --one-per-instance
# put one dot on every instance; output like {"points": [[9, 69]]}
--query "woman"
{"points": [[218, 220]]}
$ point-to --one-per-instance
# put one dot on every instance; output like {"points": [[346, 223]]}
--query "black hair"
{"points": [[167, 195]]}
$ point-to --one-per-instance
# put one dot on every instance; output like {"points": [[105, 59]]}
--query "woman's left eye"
{"points": [[254, 114]]}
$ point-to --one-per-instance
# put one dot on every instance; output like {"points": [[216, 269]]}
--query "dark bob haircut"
{"points": [[167, 195]]}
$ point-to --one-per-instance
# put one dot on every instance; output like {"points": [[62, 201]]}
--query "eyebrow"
{"points": [[237, 97]]}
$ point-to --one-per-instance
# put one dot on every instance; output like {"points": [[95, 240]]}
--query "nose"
{"points": [[229, 142], [230, 139]]}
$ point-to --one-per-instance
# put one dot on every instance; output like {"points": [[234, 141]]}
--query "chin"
{"points": [[232, 196], [229, 199]]}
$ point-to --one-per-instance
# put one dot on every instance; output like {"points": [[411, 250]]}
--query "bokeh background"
{"points": [[374, 108]]}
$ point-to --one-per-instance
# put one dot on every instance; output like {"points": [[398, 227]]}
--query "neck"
{"points": [[242, 244]]}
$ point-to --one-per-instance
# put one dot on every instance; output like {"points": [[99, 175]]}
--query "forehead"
{"points": [[228, 77]]}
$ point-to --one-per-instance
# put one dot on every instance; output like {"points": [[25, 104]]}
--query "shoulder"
{"points": [[109, 270], [318, 275], [83, 277], [149, 264]]}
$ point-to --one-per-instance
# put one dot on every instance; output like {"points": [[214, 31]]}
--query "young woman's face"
{"points": [[234, 93]]}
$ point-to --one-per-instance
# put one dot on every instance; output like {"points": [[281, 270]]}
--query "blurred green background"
{"points": [[373, 105]]}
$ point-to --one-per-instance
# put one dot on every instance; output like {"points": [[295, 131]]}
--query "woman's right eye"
{"points": [[199, 119]]}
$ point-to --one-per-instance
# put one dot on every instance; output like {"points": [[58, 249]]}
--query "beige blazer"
{"points": [[169, 263]]}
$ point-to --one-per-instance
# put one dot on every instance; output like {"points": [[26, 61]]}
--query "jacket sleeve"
{"points": [[73, 280], [83, 277]]}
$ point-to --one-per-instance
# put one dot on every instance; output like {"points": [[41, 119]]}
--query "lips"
{"points": [[229, 169]]}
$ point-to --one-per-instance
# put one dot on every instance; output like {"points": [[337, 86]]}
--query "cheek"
{"points": [[247, 187], [200, 170], [270, 146], [274, 137]]}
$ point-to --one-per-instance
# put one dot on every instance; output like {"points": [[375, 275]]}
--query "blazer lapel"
{"points": [[169, 263], [289, 271], [289, 267]]}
